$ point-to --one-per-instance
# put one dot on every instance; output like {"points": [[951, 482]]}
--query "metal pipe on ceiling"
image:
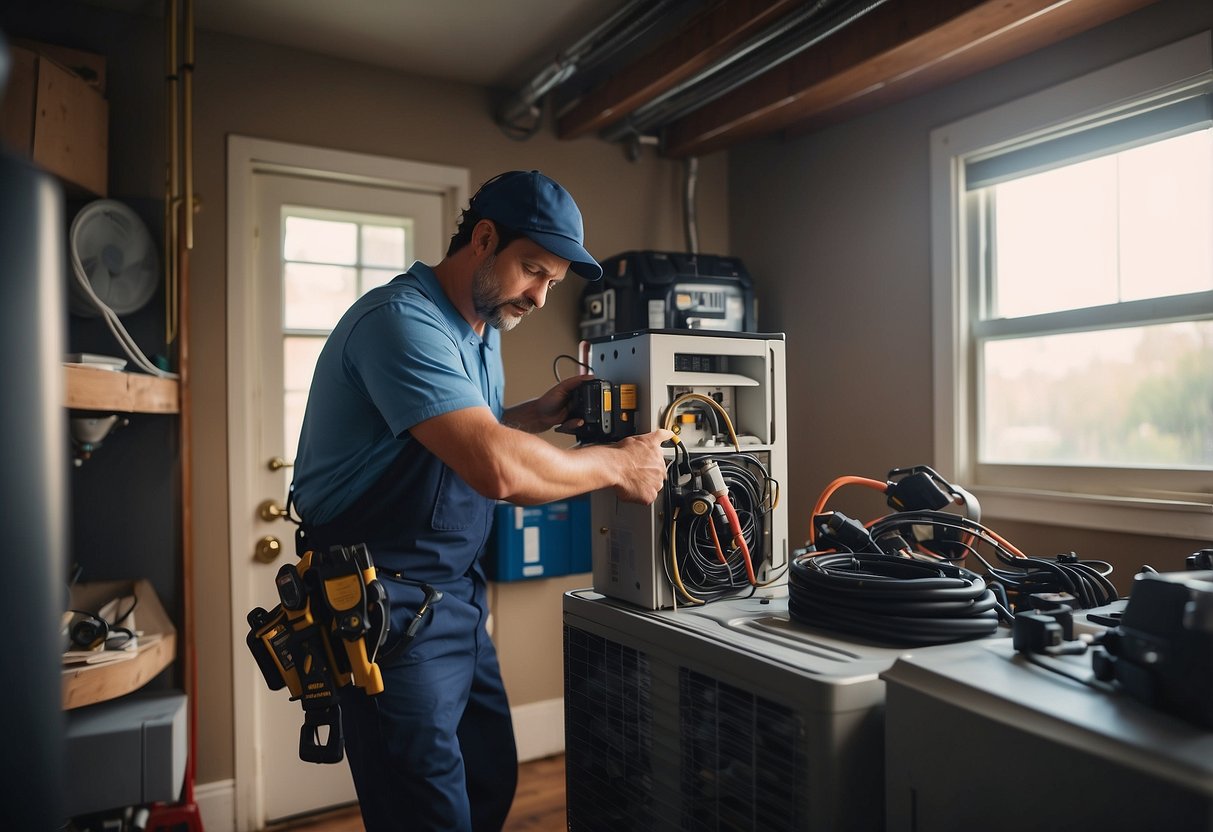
{"points": [[623, 27], [783, 41]]}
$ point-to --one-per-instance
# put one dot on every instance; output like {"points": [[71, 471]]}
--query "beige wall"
{"points": [[268, 92], [835, 226], [251, 89]]}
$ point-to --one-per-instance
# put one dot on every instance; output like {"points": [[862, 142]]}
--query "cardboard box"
{"points": [[58, 120], [89, 683]]}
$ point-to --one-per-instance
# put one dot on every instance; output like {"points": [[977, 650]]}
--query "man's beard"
{"points": [[493, 309]]}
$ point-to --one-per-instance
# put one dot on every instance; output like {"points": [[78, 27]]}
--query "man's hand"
{"points": [[643, 472], [547, 411], [553, 406]]}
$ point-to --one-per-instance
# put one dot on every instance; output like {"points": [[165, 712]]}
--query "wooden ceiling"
{"points": [[898, 49]]}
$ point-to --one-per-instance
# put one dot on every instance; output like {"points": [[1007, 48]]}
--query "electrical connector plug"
{"points": [[1033, 632], [916, 491], [1048, 631], [835, 529]]}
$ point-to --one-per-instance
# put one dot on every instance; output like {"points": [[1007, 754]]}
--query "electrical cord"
{"points": [[703, 561], [891, 599], [1022, 575], [671, 411], [574, 359], [124, 338], [881, 579]]}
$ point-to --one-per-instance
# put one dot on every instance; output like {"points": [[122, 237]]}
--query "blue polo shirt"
{"points": [[400, 355]]}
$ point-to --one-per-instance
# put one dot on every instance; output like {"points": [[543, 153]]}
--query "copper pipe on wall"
{"points": [[187, 118], [171, 154]]}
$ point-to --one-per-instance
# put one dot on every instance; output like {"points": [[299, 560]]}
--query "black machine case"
{"points": [[668, 290]]}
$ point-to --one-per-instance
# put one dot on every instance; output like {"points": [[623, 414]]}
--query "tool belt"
{"points": [[327, 632]]}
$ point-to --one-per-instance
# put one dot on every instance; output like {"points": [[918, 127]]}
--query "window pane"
{"points": [[316, 296], [1129, 226], [1139, 396], [1055, 240], [383, 245], [1166, 217], [320, 241]]}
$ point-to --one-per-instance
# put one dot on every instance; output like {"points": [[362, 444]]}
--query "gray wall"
{"points": [[835, 227]]}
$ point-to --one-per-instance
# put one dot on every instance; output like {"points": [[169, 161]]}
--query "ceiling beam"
{"points": [[900, 49], [706, 38]]}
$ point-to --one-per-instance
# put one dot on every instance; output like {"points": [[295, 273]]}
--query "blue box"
{"points": [[539, 541]]}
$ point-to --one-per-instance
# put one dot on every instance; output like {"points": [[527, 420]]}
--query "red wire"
{"points": [[716, 540], [738, 537]]}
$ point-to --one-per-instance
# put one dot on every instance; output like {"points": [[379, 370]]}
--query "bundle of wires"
{"points": [[716, 511], [890, 598], [902, 578], [702, 560], [946, 536]]}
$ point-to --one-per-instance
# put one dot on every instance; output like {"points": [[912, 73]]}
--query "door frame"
{"points": [[247, 157]]}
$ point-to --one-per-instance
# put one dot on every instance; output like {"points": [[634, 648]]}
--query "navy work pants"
{"points": [[435, 750]]}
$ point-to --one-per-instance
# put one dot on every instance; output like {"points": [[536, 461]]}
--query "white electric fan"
{"points": [[116, 269]]}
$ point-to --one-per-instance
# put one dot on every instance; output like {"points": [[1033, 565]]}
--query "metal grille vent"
{"points": [[742, 758], [608, 734]]}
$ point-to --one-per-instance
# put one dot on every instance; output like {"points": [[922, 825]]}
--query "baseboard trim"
{"points": [[538, 732], [538, 729], [217, 805]]}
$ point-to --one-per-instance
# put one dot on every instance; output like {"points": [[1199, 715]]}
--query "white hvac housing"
{"points": [[745, 373], [725, 716]]}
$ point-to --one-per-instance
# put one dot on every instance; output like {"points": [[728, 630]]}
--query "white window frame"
{"points": [[1177, 506]]}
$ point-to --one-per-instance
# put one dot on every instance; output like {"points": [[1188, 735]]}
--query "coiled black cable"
{"points": [[1085, 581], [700, 567], [891, 599]]}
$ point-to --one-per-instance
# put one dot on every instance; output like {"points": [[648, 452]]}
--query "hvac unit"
{"points": [[979, 738], [743, 376], [668, 290], [725, 716]]}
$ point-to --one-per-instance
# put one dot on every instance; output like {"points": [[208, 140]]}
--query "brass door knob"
{"points": [[278, 463], [269, 511], [267, 549]]}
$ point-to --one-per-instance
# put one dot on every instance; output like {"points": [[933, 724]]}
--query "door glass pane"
{"points": [[1134, 396], [370, 278], [330, 258], [320, 241], [383, 245], [315, 296], [300, 353]]}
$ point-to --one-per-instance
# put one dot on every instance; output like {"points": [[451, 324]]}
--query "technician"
{"points": [[405, 446]]}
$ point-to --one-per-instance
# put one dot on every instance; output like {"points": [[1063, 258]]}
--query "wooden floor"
{"points": [[538, 804]]}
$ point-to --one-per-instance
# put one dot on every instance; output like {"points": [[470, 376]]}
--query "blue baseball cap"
{"points": [[537, 207]]}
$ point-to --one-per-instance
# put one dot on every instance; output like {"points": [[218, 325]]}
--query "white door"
{"points": [[318, 244]]}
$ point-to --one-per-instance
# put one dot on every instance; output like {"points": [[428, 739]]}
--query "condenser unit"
{"points": [[979, 738], [725, 716]]}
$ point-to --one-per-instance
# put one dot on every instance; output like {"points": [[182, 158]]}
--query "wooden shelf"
{"points": [[84, 685], [90, 388]]}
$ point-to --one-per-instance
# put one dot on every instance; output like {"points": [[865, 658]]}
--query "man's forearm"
{"points": [[524, 416]]}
